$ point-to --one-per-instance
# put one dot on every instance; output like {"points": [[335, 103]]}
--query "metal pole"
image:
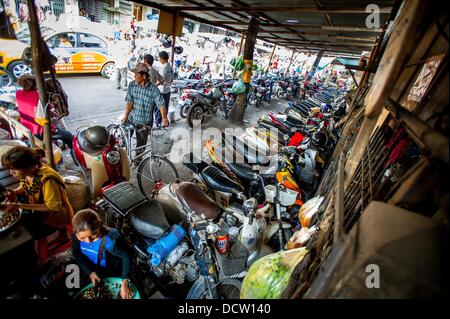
{"points": [[37, 49], [290, 63], [175, 18], [271, 55], [353, 77]]}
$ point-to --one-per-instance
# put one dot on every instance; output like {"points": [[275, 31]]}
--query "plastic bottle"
{"points": [[163, 247], [222, 238]]}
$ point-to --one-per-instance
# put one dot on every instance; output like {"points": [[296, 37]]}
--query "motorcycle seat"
{"points": [[194, 163], [250, 154], [282, 138], [124, 197], [280, 128], [192, 197], [149, 220], [243, 171], [219, 181]]}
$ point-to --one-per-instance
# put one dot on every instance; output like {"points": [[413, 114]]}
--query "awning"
{"points": [[346, 62]]}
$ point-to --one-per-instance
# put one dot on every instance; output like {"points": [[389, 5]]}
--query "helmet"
{"points": [[93, 140], [178, 50], [326, 108], [227, 39], [319, 140], [166, 42]]}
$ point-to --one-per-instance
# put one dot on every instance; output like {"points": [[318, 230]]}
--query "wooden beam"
{"points": [[238, 110], [397, 49], [162, 7], [37, 46], [326, 15], [353, 44], [400, 45], [350, 29], [368, 39], [343, 28], [346, 10]]}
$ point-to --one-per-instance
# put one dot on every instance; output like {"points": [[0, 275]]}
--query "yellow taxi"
{"points": [[77, 52]]}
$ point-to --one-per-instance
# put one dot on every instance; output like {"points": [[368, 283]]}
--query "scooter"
{"points": [[102, 165]]}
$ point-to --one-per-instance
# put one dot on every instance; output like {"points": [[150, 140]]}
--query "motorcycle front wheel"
{"points": [[153, 170], [228, 288], [195, 113]]}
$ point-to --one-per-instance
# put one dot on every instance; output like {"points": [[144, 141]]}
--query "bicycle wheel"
{"points": [[228, 288], [5, 78], [153, 170]]}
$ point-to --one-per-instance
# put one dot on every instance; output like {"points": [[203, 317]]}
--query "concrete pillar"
{"points": [[314, 67]]}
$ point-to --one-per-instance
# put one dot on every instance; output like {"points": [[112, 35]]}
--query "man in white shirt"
{"points": [[120, 52], [164, 84]]}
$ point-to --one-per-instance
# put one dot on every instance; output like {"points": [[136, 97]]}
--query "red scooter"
{"points": [[103, 163]]}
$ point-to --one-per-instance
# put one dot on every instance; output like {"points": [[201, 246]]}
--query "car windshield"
{"points": [[24, 35]]}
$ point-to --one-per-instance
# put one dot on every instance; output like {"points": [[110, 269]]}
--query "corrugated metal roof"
{"points": [[331, 25]]}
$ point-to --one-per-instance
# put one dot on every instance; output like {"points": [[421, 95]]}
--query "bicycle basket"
{"points": [[236, 260], [162, 144]]}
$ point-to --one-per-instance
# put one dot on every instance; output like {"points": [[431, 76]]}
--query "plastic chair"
{"points": [[55, 243]]}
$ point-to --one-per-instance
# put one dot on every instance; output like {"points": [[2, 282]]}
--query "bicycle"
{"points": [[154, 170]]}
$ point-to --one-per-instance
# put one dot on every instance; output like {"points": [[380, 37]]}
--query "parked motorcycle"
{"points": [[156, 236], [205, 106]]}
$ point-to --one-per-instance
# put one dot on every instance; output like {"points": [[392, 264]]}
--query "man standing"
{"points": [[154, 75], [120, 52], [142, 98], [167, 75]]}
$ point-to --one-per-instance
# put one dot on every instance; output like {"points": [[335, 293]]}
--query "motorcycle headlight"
{"points": [[113, 157]]}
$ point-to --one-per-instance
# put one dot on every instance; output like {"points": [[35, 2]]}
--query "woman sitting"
{"points": [[99, 251], [44, 191], [27, 100]]}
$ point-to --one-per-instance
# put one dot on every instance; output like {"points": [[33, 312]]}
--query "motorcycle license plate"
{"points": [[258, 94], [188, 101]]}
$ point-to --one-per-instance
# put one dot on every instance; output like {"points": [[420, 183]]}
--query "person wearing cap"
{"points": [[142, 98]]}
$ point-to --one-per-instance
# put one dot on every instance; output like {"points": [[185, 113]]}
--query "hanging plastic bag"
{"points": [[269, 276], [238, 87], [39, 114], [309, 211], [300, 238]]}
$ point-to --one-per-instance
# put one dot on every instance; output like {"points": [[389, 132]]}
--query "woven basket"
{"points": [[77, 192]]}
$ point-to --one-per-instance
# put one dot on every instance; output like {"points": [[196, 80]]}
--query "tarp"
{"points": [[346, 61]]}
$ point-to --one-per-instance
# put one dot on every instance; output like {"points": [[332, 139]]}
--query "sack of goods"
{"points": [[269, 276], [77, 190]]}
